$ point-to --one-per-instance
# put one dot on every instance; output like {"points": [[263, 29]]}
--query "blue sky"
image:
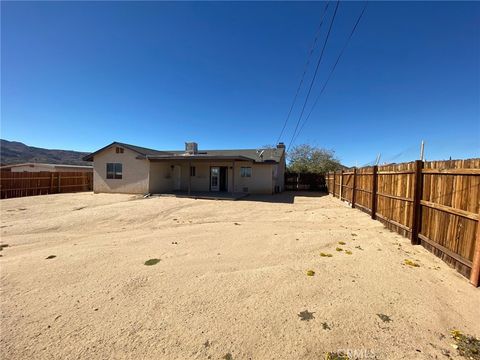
{"points": [[80, 75]]}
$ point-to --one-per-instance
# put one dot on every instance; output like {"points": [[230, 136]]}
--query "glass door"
{"points": [[214, 178]]}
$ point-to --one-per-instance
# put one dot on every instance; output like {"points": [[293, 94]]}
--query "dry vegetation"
{"points": [[225, 280]]}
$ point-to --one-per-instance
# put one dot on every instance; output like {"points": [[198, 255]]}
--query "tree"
{"points": [[310, 159]]}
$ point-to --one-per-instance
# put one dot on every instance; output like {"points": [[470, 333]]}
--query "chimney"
{"points": [[281, 145], [191, 148]]}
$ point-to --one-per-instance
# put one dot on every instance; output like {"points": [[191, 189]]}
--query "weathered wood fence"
{"points": [[305, 182], [434, 203], [18, 184]]}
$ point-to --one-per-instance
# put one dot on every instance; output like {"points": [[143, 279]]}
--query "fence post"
{"points": [[333, 187], [475, 272], [58, 183], [417, 206], [374, 192], [51, 182], [354, 185], [341, 185]]}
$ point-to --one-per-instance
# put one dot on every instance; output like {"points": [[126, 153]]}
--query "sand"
{"points": [[231, 282]]}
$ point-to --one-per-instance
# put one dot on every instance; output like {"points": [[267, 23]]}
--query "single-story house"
{"points": [[124, 168], [37, 167]]}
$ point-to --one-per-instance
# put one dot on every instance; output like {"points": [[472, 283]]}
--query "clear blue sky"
{"points": [[80, 75]]}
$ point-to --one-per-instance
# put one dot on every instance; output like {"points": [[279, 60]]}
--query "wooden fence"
{"points": [[305, 182], [18, 184], [434, 203]]}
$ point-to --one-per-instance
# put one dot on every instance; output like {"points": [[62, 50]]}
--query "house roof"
{"points": [[32, 164], [257, 155]]}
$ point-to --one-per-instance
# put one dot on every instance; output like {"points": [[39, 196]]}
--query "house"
{"points": [[124, 168], [37, 167]]}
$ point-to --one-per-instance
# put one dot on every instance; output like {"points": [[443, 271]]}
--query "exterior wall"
{"points": [[161, 178], [135, 178], [261, 182]]}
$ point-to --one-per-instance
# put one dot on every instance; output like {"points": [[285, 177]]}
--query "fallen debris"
{"points": [[411, 263]]}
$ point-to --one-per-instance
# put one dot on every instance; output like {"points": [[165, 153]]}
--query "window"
{"points": [[192, 170], [246, 172], [114, 171], [119, 150]]}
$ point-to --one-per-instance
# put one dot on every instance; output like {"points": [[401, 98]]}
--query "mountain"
{"points": [[14, 152]]}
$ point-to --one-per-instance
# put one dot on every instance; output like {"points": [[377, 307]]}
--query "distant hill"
{"points": [[13, 152]]}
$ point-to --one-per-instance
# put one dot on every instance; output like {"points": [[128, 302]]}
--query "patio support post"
{"points": [[189, 176], [233, 177]]}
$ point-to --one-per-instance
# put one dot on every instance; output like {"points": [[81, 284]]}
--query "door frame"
{"points": [[210, 179], [218, 189]]}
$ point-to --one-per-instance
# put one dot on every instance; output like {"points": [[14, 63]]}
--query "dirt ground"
{"points": [[231, 282]]}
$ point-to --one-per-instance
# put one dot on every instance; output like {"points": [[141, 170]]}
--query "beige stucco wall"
{"points": [[135, 179], [162, 176]]}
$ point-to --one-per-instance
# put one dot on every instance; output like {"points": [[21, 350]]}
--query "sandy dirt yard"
{"points": [[231, 282]]}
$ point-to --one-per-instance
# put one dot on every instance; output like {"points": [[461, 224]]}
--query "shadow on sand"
{"points": [[287, 197]]}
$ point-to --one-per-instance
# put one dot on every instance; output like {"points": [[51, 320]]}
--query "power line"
{"points": [[315, 74], [304, 70], [333, 68]]}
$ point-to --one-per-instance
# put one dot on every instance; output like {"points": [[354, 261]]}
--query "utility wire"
{"points": [[304, 70], [333, 69], [315, 74]]}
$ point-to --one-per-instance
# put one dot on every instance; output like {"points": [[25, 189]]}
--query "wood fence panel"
{"points": [[435, 203], [347, 186], [442, 194], [395, 196], [19, 184], [363, 189]]}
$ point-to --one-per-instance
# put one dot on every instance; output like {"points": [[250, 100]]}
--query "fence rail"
{"points": [[435, 204], [18, 184]]}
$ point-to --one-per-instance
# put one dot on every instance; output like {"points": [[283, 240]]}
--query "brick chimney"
{"points": [[191, 148]]}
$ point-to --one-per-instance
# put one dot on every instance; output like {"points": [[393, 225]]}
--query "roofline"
{"points": [[46, 164], [90, 156], [198, 157], [180, 153]]}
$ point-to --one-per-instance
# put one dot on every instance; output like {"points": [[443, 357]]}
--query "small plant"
{"points": [[151, 262], [411, 263], [325, 326], [336, 356], [306, 315], [325, 255], [348, 252], [384, 318], [339, 249], [310, 272], [466, 345], [342, 242], [358, 247]]}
